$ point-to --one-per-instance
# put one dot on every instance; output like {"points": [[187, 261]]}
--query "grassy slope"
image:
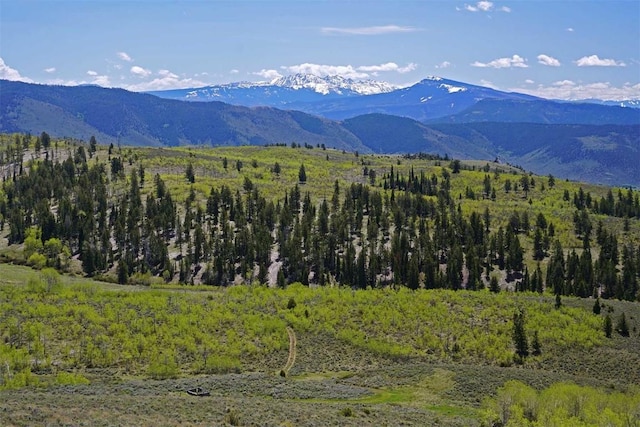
{"points": [[386, 356]]}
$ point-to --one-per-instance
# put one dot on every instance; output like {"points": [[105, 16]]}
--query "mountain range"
{"points": [[591, 142], [429, 100]]}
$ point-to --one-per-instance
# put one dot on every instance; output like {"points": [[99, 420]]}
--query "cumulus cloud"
{"points": [[50, 70], [389, 66], [529, 81], [8, 73], [444, 64], [92, 73], [368, 31], [548, 60], [234, 71], [167, 74], [571, 91], [166, 80], [595, 61], [348, 71], [124, 56], [101, 80], [268, 74], [140, 72], [484, 6], [515, 61], [326, 70]]}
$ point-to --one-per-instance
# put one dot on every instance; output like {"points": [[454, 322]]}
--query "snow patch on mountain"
{"points": [[451, 88], [332, 84]]}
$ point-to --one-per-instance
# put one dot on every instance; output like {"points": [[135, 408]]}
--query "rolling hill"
{"points": [[604, 153]]}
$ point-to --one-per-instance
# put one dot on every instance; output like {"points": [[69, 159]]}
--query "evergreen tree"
{"points": [[494, 286], [608, 326], [302, 174], [520, 336], [535, 345], [621, 326]]}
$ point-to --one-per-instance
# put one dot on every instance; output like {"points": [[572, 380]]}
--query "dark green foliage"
{"points": [[190, 174], [558, 302], [608, 326], [535, 345], [519, 335], [494, 286], [302, 174], [621, 326], [596, 307]]}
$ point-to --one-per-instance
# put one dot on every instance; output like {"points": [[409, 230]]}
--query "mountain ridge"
{"points": [[430, 100], [604, 153]]}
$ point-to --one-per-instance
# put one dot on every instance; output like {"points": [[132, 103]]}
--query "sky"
{"points": [[574, 49]]}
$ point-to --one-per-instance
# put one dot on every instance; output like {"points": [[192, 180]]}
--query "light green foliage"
{"points": [[162, 333], [70, 378], [561, 404]]}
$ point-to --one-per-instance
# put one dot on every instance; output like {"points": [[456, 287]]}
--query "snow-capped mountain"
{"points": [[433, 99], [281, 91], [333, 84]]}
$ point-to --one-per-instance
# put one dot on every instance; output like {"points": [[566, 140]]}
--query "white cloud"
{"points": [[389, 66], [167, 73], [166, 80], [563, 83], [368, 31], [484, 6], [234, 71], [595, 61], [570, 90], [50, 70], [124, 56], [92, 73], [548, 60], [487, 83], [268, 74], [140, 72], [444, 64], [321, 70], [515, 61], [570, 30], [529, 81], [9, 73], [101, 80], [410, 67]]}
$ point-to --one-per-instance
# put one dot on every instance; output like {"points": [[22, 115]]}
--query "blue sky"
{"points": [[556, 49]]}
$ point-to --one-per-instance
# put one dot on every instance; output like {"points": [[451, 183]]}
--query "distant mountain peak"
{"points": [[332, 84]]}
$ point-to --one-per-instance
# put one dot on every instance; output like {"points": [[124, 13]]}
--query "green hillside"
{"points": [[305, 286]]}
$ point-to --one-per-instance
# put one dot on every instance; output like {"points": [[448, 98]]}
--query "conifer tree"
{"points": [[519, 335]]}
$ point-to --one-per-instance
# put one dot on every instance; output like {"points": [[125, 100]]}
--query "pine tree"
{"points": [[302, 174], [535, 344], [622, 327], [608, 326], [494, 286], [596, 306], [519, 335]]}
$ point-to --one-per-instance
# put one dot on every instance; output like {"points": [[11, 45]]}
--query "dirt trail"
{"points": [[292, 351]]}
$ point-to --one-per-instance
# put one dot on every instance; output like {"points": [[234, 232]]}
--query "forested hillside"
{"points": [[204, 216], [402, 271]]}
